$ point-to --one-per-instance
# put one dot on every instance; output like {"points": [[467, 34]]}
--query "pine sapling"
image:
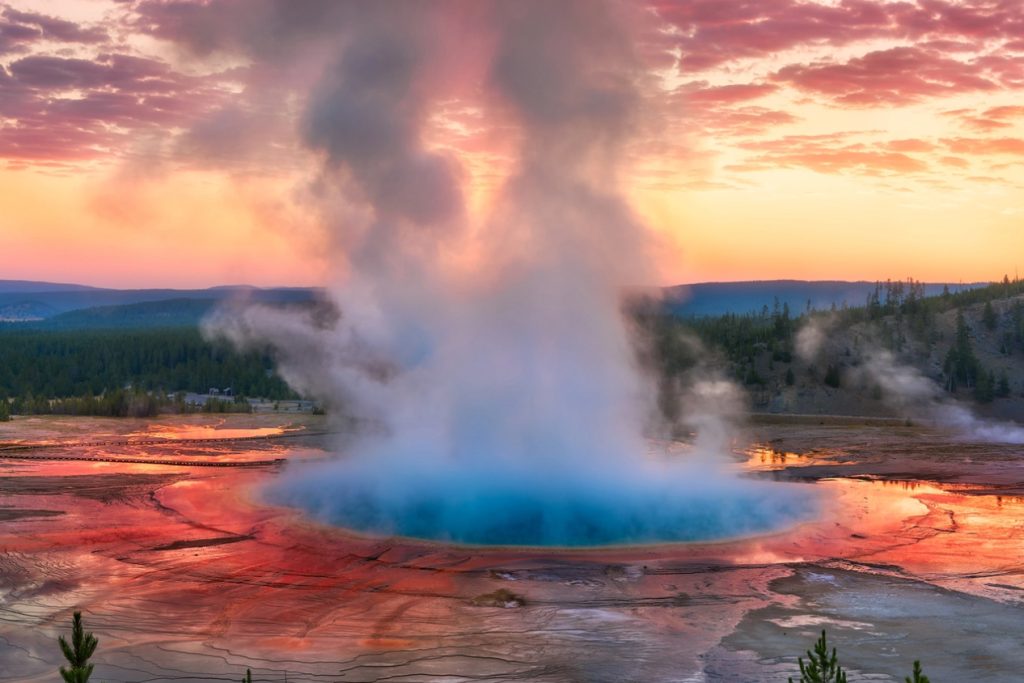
{"points": [[820, 666], [83, 645], [919, 676]]}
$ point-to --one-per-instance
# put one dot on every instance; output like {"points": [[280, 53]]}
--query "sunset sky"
{"points": [[161, 144]]}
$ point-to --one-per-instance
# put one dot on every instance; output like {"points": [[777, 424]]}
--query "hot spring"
{"points": [[651, 503]]}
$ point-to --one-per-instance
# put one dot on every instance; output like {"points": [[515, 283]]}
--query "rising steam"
{"points": [[906, 389], [507, 394]]}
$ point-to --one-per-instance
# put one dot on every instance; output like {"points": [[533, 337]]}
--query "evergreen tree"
{"points": [[961, 366], [82, 646], [832, 378], [1017, 315], [985, 390], [5, 410], [1003, 390], [790, 377], [874, 303], [989, 317], [820, 666], [78, 363], [248, 677], [918, 676]]}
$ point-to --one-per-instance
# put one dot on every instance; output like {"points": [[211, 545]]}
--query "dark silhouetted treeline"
{"points": [[112, 372], [120, 403]]}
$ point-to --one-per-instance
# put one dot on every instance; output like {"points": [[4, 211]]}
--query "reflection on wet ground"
{"points": [[200, 432], [184, 574]]}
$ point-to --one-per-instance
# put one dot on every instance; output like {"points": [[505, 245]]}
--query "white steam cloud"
{"points": [[508, 393], [811, 337], [905, 388]]}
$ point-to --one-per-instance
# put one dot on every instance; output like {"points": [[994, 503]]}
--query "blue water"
{"points": [[554, 511]]}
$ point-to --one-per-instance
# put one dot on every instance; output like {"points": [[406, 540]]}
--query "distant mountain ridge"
{"points": [[65, 306], [24, 301], [163, 313], [21, 286], [718, 298]]}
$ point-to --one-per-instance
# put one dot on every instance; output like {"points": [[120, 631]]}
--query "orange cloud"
{"points": [[986, 146], [858, 98]]}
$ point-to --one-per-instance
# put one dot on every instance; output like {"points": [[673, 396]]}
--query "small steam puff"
{"points": [[906, 389], [811, 337], [509, 397]]}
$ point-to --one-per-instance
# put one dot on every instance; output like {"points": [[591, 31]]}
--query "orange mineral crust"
{"points": [[186, 568]]}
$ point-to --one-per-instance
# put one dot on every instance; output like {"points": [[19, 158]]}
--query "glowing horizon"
{"points": [[141, 144]]}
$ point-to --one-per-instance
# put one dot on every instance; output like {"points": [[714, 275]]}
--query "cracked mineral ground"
{"points": [[159, 534]]}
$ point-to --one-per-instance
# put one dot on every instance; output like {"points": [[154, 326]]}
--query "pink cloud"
{"points": [[63, 109], [954, 161], [54, 28], [724, 94], [1005, 112], [19, 31], [54, 143], [948, 36], [988, 120], [714, 32], [941, 48], [986, 146], [951, 46], [747, 121], [910, 145], [985, 125], [15, 37], [722, 110], [124, 72], [897, 76], [833, 154]]}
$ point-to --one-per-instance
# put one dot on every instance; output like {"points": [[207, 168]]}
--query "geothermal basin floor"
{"points": [[184, 574]]}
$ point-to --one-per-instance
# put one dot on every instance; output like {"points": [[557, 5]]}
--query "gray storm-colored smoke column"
{"points": [[510, 405]]}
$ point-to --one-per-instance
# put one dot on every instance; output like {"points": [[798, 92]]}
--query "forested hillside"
{"points": [[150, 314], [970, 344], [85, 363]]}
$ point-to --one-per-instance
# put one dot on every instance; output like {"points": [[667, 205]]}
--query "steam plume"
{"points": [[906, 389], [811, 337], [508, 391]]}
